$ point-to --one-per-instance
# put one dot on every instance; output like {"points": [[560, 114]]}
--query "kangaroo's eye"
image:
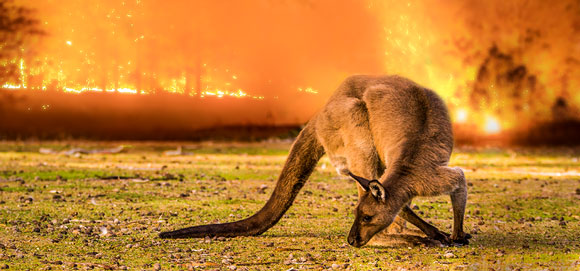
{"points": [[367, 218]]}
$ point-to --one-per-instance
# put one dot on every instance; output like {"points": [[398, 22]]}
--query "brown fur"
{"points": [[384, 128]]}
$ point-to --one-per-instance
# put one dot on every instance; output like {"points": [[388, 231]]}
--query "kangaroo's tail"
{"points": [[304, 155]]}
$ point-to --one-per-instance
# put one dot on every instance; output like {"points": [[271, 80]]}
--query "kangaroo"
{"points": [[388, 129]]}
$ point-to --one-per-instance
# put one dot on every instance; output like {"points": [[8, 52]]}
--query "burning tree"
{"points": [[506, 88], [530, 71], [17, 27]]}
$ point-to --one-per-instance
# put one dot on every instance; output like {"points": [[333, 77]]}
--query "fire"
{"points": [[461, 115], [222, 93], [127, 90], [173, 88], [488, 124], [492, 125], [497, 73], [177, 86]]}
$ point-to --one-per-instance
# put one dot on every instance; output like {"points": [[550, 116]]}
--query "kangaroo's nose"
{"points": [[354, 241], [350, 240]]}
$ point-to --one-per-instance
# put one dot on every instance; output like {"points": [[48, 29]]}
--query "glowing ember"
{"points": [[221, 93], [308, 90], [492, 125], [10, 86]]}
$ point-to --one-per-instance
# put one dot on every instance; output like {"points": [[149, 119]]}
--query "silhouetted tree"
{"points": [[17, 26]]}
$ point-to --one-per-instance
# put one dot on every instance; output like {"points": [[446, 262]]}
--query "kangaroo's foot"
{"points": [[461, 239], [446, 239], [443, 237]]}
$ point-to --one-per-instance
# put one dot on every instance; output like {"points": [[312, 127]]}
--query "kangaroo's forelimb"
{"points": [[424, 226]]}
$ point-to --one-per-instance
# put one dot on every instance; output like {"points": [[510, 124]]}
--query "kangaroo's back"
{"points": [[396, 112]]}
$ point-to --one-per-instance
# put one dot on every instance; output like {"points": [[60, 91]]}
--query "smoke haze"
{"points": [[492, 61]]}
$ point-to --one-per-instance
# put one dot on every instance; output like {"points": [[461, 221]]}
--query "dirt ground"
{"points": [[92, 209]]}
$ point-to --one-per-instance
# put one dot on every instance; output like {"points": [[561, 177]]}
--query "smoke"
{"points": [[266, 48], [464, 50]]}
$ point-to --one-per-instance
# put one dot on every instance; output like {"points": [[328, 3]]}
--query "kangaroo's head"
{"points": [[375, 211]]}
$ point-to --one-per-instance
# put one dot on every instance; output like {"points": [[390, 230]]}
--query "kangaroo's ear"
{"points": [[364, 183], [378, 190]]}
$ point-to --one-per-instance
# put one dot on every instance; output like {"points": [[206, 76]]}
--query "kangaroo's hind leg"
{"points": [[452, 181], [444, 180]]}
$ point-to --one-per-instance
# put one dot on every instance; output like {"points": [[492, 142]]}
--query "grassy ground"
{"points": [[62, 211]]}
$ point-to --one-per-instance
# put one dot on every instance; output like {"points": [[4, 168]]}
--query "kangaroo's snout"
{"points": [[354, 240]]}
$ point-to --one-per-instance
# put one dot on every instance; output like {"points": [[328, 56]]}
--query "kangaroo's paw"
{"points": [[461, 241], [442, 237]]}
